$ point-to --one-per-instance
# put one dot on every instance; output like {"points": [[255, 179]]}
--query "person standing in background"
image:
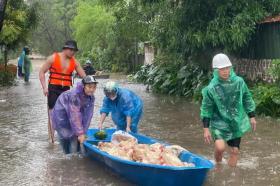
{"points": [[23, 56], [27, 65], [61, 66]]}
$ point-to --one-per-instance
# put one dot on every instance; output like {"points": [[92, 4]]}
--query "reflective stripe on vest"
{"points": [[59, 76]]}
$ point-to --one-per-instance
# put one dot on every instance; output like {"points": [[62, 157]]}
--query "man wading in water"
{"points": [[60, 66], [227, 110]]}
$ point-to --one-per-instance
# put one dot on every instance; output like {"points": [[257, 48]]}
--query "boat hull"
{"points": [[149, 174]]}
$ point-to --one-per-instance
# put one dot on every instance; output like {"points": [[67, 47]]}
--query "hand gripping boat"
{"points": [[150, 174]]}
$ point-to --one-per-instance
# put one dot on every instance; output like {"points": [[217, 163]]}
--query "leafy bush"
{"points": [[267, 96], [274, 71], [6, 78], [267, 100], [142, 74], [7, 75], [175, 79]]}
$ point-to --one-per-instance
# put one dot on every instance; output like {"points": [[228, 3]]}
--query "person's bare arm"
{"points": [[128, 123], [45, 67], [102, 119], [80, 70], [253, 123]]}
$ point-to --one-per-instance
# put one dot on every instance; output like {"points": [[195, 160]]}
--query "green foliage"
{"points": [[92, 24], [194, 27], [110, 31], [275, 71], [130, 29], [189, 29], [6, 78], [93, 30], [267, 100], [172, 78], [143, 74], [267, 96], [54, 25], [20, 18]]}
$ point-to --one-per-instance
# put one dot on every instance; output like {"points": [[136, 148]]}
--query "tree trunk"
{"points": [[5, 57], [3, 4]]}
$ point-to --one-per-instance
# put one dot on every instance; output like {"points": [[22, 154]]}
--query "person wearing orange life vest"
{"points": [[60, 66]]}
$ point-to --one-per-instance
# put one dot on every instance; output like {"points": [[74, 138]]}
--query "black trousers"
{"points": [[54, 92]]}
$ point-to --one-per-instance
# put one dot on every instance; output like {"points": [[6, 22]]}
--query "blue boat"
{"points": [[150, 174]]}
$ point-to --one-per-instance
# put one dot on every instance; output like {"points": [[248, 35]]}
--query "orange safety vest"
{"points": [[59, 76]]}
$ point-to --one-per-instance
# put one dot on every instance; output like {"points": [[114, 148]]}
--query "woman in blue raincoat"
{"points": [[227, 110], [72, 114], [124, 105]]}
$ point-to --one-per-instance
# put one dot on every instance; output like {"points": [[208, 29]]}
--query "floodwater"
{"points": [[27, 157]]}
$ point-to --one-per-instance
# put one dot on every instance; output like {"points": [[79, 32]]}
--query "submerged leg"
{"points": [[219, 150], [74, 145], [26, 77], [65, 145], [233, 156]]}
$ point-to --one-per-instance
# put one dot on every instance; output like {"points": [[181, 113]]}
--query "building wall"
{"points": [[253, 69], [265, 43], [149, 54]]}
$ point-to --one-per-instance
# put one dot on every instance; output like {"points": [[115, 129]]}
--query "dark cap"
{"points": [[89, 79], [71, 44]]}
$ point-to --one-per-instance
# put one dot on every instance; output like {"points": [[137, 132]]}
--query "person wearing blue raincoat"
{"points": [[227, 110], [72, 114], [124, 105], [20, 63]]}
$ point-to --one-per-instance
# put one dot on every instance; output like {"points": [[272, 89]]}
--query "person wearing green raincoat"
{"points": [[27, 65], [227, 110]]}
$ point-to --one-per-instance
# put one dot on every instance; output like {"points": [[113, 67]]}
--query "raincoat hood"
{"points": [[80, 88], [216, 78]]}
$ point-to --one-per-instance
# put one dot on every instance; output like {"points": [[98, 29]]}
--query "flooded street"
{"points": [[27, 157]]}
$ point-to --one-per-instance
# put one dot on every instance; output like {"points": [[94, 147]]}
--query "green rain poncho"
{"points": [[227, 105], [27, 65]]}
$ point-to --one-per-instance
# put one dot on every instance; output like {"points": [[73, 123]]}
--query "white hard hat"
{"points": [[88, 61], [221, 61], [111, 86]]}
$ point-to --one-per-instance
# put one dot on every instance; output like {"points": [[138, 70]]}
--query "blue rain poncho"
{"points": [[20, 64], [126, 104], [21, 58], [73, 112], [227, 105]]}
